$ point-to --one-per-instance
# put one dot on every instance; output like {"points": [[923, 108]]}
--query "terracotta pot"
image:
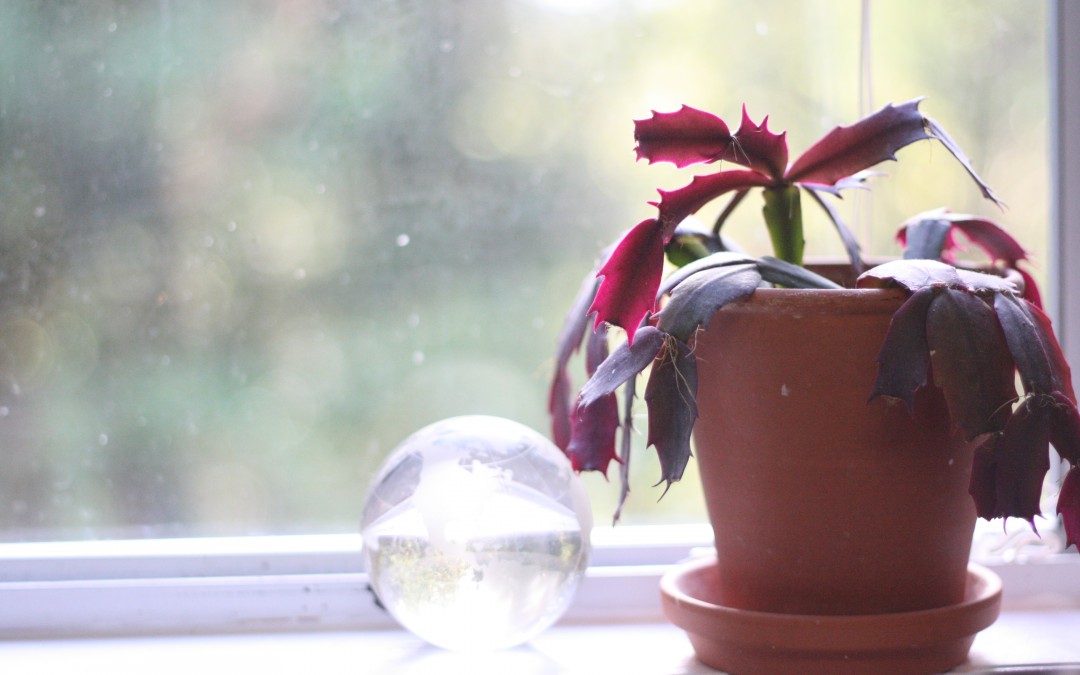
{"points": [[821, 502]]}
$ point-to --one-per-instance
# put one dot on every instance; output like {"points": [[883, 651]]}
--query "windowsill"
{"points": [[1018, 637], [288, 603]]}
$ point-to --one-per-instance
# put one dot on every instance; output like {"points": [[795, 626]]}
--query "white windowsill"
{"points": [[1019, 637], [282, 603]]}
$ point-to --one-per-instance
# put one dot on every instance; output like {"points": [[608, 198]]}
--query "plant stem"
{"points": [[783, 217]]}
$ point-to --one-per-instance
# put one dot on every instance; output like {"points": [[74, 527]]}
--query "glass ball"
{"points": [[476, 533]]}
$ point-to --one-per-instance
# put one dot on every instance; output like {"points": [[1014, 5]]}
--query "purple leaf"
{"points": [[676, 205], [848, 150], [573, 332], [630, 278], [939, 133], [624, 363], [851, 244], [1068, 506], [1034, 348], [559, 408], [910, 274], [904, 359], [1065, 428], [1021, 460], [971, 361], [694, 301], [721, 259], [983, 485], [671, 396]]}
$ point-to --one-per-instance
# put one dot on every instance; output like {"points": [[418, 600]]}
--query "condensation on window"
{"points": [[248, 247]]}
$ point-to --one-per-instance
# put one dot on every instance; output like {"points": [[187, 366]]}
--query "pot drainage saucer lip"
{"points": [[735, 639]]}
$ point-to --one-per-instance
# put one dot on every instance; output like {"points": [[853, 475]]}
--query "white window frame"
{"points": [[65, 589]]}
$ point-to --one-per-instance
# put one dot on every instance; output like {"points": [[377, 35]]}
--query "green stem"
{"points": [[783, 217]]}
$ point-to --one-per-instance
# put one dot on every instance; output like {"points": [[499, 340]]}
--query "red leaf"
{"points": [[971, 361], [671, 396], [1068, 506], [592, 443], [848, 150], [687, 136], [676, 205], [691, 136], [988, 236], [904, 360], [630, 278], [758, 148]]}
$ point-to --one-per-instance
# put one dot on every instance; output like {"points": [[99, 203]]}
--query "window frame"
{"points": [[314, 582]]}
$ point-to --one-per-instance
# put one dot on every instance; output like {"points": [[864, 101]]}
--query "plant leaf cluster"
{"points": [[965, 332]]}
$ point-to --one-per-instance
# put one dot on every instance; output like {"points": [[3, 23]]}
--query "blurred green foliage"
{"points": [[248, 247]]}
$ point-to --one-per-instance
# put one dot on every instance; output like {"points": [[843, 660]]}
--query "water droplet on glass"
{"points": [[39, 212], [446, 46], [230, 226], [418, 357], [112, 27], [761, 28], [103, 439], [4, 411], [208, 241], [299, 274], [402, 240], [414, 320]]}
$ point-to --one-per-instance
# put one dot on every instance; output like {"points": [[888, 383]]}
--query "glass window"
{"points": [[247, 247]]}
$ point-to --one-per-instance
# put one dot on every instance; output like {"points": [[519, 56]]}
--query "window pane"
{"points": [[248, 247]]}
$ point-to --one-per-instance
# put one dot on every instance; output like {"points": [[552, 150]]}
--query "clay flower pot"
{"points": [[822, 503]]}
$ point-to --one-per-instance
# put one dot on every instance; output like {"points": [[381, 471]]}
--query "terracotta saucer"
{"points": [[743, 641]]}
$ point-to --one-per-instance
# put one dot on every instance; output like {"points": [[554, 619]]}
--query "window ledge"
{"points": [[313, 583]]}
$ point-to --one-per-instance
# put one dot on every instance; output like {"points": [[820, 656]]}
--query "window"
{"points": [[249, 247]]}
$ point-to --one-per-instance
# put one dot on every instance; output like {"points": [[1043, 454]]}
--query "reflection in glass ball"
{"points": [[476, 533]]}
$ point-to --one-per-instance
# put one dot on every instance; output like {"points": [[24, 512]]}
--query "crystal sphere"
{"points": [[476, 533]]}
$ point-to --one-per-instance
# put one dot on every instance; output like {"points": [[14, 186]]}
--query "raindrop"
{"points": [[230, 226], [762, 28], [299, 274], [112, 27], [446, 46], [39, 212], [103, 439], [418, 357], [108, 92], [402, 240], [320, 189], [414, 320], [4, 411]]}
